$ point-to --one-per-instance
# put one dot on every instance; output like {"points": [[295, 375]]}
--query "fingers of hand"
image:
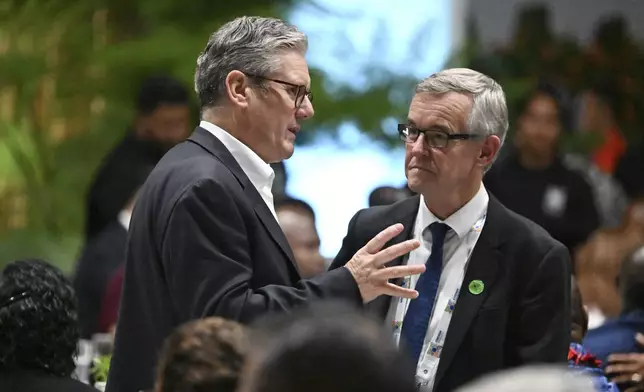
{"points": [[386, 255], [631, 357], [382, 238], [625, 379], [619, 368], [398, 272], [397, 291], [622, 379]]}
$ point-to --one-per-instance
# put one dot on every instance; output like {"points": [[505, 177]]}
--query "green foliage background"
{"points": [[71, 68]]}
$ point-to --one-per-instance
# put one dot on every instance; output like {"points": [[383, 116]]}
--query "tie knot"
{"points": [[438, 231]]}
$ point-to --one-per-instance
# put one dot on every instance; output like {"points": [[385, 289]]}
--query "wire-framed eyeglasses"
{"points": [[300, 90], [436, 138]]}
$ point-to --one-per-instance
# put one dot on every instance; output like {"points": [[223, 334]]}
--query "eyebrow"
{"points": [[306, 84], [443, 128], [438, 127]]}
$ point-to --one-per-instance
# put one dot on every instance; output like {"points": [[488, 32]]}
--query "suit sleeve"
{"points": [[349, 245], [209, 270], [544, 323]]}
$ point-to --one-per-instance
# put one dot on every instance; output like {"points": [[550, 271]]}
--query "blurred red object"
{"points": [[110, 307]]}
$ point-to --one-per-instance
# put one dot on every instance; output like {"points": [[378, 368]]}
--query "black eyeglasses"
{"points": [[14, 299], [435, 137], [300, 93]]}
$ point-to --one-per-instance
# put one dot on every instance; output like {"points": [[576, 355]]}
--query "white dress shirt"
{"points": [[459, 242], [124, 217], [260, 173]]}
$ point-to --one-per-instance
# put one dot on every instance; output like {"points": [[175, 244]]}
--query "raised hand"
{"points": [[368, 266]]}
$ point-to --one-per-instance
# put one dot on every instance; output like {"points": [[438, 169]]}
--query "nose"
{"points": [[305, 111], [418, 147]]}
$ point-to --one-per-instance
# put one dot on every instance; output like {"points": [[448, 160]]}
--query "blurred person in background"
{"points": [[536, 378], [297, 220], [109, 307], [612, 48], [204, 238], [599, 261], [102, 256], [203, 356], [162, 120], [610, 198], [580, 359], [38, 329], [386, 195], [533, 182], [598, 115], [322, 348], [630, 171], [496, 293], [532, 45], [618, 335], [627, 369]]}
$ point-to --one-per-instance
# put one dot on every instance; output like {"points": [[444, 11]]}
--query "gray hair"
{"points": [[489, 114], [535, 378], [249, 44]]}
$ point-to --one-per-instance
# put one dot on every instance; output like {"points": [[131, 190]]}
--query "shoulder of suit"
{"points": [[188, 164], [185, 170]]}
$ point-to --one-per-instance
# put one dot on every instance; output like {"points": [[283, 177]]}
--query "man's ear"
{"points": [[237, 88], [489, 150]]}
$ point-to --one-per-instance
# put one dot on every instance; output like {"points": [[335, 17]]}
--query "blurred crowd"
{"points": [[590, 198]]}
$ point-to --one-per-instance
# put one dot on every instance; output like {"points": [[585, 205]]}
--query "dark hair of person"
{"points": [[287, 202], [545, 89], [38, 319], [204, 355], [161, 90], [326, 347], [386, 195]]}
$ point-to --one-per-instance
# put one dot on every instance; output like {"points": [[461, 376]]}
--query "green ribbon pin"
{"points": [[476, 287]]}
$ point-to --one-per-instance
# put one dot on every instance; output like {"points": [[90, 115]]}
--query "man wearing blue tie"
{"points": [[495, 292]]}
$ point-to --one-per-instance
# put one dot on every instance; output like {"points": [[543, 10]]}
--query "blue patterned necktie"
{"points": [[416, 321]]}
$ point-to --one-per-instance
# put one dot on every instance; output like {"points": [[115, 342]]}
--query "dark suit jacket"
{"points": [[34, 381], [203, 243], [98, 262], [523, 314]]}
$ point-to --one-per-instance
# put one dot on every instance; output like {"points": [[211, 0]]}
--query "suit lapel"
{"points": [[268, 220], [483, 266], [404, 212], [214, 146]]}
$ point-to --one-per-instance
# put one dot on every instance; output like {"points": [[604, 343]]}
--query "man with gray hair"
{"points": [[496, 291], [204, 239]]}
